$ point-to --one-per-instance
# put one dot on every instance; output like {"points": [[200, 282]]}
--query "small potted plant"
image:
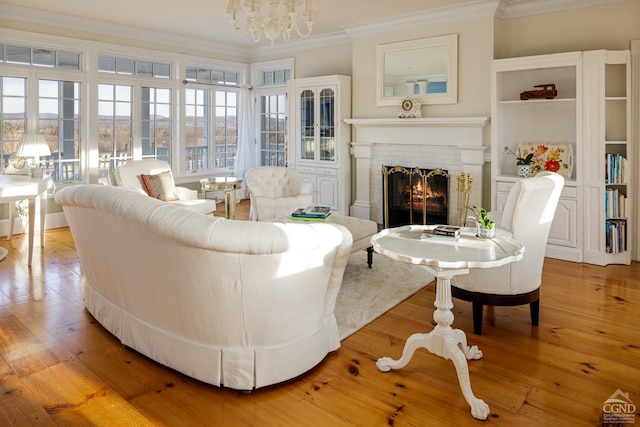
{"points": [[485, 227], [523, 163]]}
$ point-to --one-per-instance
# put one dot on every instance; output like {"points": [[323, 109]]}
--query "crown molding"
{"points": [[510, 9], [502, 9], [27, 15], [439, 16], [298, 45]]}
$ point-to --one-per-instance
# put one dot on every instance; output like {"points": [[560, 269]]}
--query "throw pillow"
{"points": [[160, 186]]}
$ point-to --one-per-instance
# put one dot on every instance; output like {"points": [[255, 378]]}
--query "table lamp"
{"points": [[34, 145]]}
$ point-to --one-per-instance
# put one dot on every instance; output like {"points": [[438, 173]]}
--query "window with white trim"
{"points": [[13, 115], [271, 91], [211, 119], [115, 126], [39, 57], [156, 123], [59, 122]]}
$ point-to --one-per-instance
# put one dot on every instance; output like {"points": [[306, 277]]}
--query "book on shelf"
{"points": [[615, 205], [615, 236], [616, 168], [312, 212]]}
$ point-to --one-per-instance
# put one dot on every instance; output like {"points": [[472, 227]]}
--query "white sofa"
{"points": [[128, 175], [236, 303]]}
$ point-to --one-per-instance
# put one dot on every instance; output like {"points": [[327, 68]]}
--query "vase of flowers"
{"points": [[522, 163]]}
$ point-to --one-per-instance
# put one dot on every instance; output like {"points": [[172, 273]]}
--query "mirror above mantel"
{"points": [[423, 69]]}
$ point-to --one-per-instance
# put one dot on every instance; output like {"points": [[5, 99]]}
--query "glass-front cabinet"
{"points": [[317, 125], [322, 138]]}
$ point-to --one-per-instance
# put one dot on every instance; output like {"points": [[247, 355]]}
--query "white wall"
{"points": [[611, 26]]}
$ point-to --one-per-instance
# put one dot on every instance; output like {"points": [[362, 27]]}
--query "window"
{"points": [[197, 129], [273, 130], [156, 123], [39, 57], [212, 76], [115, 124], [226, 142], [275, 77], [203, 140], [133, 67], [271, 80], [59, 122], [13, 115], [211, 138]]}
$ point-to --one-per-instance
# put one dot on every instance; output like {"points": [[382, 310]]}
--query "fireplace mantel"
{"points": [[466, 134], [432, 122], [438, 131]]}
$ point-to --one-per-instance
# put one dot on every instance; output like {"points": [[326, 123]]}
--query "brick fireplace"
{"points": [[452, 144]]}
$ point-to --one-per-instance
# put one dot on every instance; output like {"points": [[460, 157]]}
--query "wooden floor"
{"points": [[59, 367]]}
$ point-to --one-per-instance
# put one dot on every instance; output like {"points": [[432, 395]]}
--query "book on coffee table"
{"points": [[443, 233], [444, 230]]}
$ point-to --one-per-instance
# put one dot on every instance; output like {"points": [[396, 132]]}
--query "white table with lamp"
{"points": [[24, 180]]}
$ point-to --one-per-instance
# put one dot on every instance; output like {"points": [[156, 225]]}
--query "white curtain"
{"points": [[245, 156]]}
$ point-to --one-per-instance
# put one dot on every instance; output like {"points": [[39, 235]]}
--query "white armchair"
{"points": [[131, 175], [527, 216], [275, 192]]}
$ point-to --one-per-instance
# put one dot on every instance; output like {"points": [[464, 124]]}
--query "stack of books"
{"points": [[443, 233], [311, 213]]}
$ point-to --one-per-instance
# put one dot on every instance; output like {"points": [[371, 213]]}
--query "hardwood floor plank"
{"points": [[73, 395]]}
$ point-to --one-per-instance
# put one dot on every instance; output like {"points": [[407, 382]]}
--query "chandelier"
{"points": [[272, 25]]}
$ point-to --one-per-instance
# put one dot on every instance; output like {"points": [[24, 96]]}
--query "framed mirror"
{"points": [[423, 69]]}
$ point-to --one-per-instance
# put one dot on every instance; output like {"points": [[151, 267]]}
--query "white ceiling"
{"points": [[207, 22]]}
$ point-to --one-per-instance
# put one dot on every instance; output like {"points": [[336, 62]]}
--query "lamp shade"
{"points": [[33, 145]]}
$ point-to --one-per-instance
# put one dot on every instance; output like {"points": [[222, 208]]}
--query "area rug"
{"points": [[3, 253], [366, 293]]}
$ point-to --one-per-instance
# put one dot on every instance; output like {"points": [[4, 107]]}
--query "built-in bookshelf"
{"points": [[609, 172], [556, 121], [591, 115]]}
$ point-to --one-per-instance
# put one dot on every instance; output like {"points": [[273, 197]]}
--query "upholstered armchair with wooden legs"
{"points": [[275, 192], [527, 216]]}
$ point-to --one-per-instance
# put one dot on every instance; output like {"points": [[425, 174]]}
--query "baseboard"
{"points": [[51, 221]]}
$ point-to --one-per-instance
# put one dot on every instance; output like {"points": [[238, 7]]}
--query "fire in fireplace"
{"points": [[414, 196]]}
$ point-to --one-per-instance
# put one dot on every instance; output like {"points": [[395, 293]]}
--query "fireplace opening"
{"points": [[414, 196]]}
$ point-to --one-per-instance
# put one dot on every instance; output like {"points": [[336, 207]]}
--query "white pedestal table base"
{"points": [[444, 341]]}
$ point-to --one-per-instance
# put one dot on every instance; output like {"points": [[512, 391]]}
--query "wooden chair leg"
{"points": [[370, 255], [12, 212], [535, 312], [477, 317]]}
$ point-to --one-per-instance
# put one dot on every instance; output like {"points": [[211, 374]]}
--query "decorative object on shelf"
{"points": [[545, 91], [548, 156], [34, 145], [409, 108], [464, 191], [269, 23], [485, 227], [522, 163], [17, 166]]}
